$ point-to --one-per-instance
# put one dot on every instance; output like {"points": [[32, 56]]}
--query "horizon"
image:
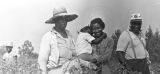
{"points": [[24, 19]]}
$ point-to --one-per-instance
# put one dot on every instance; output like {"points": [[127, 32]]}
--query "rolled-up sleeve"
{"points": [[123, 42], [44, 52]]}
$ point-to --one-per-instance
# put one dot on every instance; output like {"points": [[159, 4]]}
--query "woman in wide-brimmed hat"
{"points": [[57, 46]]}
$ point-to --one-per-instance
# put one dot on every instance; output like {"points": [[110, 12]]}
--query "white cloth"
{"points": [[8, 57], [56, 49], [49, 42], [124, 44], [83, 43]]}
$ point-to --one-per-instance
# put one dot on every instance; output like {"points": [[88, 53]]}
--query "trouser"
{"points": [[139, 65]]}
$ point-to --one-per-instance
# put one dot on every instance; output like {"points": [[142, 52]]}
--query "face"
{"points": [[61, 23], [136, 27], [97, 30], [9, 48]]}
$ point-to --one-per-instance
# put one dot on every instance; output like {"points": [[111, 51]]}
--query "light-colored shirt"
{"points": [[124, 44], [55, 48], [8, 57], [83, 43], [66, 46]]}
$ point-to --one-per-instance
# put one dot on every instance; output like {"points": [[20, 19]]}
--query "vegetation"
{"points": [[27, 62]]}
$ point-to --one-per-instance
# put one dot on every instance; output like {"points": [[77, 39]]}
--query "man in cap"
{"points": [[8, 56], [131, 47], [57, 46]]}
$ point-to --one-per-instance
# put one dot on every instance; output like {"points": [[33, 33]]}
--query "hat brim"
{"points": [[68, 18], [8, 46], [136, 20]]}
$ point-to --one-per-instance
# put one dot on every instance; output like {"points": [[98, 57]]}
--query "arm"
{"points": [[121, 57], [121, 47], [147, 54], [4, 57], [88, 57], [73, 48], [44, 54]]}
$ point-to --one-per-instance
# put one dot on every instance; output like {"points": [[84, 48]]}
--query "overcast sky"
{"points": [[24, 19]]}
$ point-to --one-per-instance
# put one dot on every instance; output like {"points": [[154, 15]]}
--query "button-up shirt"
{"points": [[55, 48]]}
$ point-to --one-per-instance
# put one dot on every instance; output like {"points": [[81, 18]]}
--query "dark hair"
{"points": [[99, 21], [85, 29]]}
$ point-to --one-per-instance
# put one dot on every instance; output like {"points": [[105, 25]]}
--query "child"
{"points": [[83, 44]]}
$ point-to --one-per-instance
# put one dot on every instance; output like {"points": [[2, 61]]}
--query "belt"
{"points": [[138, 60]]}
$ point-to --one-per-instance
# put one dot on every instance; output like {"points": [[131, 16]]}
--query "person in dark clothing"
{"points": [[103, 49]]}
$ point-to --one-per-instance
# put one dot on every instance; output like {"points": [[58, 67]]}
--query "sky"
{"points": [[24, 19]]}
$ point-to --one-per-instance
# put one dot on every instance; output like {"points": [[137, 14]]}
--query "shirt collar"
{"points": [[135, 36], [55, 32]]}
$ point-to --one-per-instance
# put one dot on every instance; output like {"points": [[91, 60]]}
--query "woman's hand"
{"points": [[104, 35], [93, 66], [51, 64]]}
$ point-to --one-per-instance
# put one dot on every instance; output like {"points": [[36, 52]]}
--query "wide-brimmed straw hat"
{"points": [[61, 12], [10, 44]]}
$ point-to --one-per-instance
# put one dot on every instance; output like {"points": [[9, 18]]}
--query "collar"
{"points": [[134, 35], [55, 32]]}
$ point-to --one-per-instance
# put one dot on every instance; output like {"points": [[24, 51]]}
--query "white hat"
{"points": [[9, 44], [136, 16], [59, 12]]}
